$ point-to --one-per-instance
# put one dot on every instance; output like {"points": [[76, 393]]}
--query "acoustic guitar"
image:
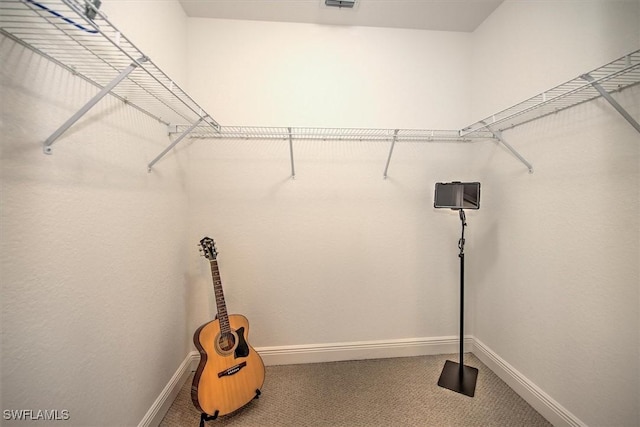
{"points": [[230, 373]]}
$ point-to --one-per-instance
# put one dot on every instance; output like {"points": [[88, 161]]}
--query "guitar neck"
{"points": [[223, 316]]}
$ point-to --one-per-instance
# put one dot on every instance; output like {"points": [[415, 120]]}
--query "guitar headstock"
{"points": [[208, 248]]}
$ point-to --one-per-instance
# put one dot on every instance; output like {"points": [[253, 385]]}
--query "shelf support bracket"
{"points": [[611, 101], [393, 143], [93, 101], [498, 135], [293, 169], [174, 143]]}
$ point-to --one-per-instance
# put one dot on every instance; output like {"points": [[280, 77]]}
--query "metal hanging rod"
{"points": [[499, 137], [335, 134], [393, 144], [80, 38], [93, 101], [617, 75], [633, 122], [293, 168], [174, 143], [98, 52]]}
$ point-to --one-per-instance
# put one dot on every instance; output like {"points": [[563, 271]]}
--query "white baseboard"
{"points": [[555, 413], [158, 410], [333, 352], [311, 353]]}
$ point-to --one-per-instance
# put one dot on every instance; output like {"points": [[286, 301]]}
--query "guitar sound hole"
{"points": [[226, 341]]}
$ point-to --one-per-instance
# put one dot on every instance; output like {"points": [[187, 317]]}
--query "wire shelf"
{"points": [[614, 76], [96, 51], [334, 134], [80, 38]]}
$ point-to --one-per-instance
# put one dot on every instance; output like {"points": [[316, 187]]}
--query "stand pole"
{"points": [[461, 359], [457, 376]]}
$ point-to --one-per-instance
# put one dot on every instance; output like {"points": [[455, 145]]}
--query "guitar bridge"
{"points": [[232, 370]]}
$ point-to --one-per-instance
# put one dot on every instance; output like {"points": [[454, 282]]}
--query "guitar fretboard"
{"points": [[223, 317]]}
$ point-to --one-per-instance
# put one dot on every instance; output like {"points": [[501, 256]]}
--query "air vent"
{"points": [[340, 3]]}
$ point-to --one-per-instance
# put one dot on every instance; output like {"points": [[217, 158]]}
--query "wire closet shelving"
{"points": [[612, 77], [95, 50], [77, 36]]}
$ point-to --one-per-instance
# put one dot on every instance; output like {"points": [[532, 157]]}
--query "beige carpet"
{"points": [[378, 392]]}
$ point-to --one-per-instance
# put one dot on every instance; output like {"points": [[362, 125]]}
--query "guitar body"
{"points": [[230, 373]]}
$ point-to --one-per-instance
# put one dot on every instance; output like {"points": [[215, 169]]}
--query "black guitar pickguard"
{"points": [[243, 348]]}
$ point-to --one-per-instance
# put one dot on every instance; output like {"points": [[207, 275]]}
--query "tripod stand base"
{"points": [[450, 378]]}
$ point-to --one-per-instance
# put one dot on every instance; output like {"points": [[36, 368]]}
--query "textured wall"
{"points": [[527, 47], [557, 292], [338, 254], [284, 74], [92, 250], [101, 282]]}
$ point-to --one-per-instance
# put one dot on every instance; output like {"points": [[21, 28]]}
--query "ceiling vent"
{"points": [[340, 3]]}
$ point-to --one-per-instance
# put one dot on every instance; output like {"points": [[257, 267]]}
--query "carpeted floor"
{"points": [[378, 392]]}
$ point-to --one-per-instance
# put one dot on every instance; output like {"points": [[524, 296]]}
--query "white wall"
{"points": [[341, 255], [99, 307], [283, 74], [158, 29], [94, 296], [556, 271], [527, 47], [338, 254], [557, 292]]}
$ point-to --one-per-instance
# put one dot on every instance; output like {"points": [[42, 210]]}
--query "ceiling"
{"points": [[437, 15]]}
